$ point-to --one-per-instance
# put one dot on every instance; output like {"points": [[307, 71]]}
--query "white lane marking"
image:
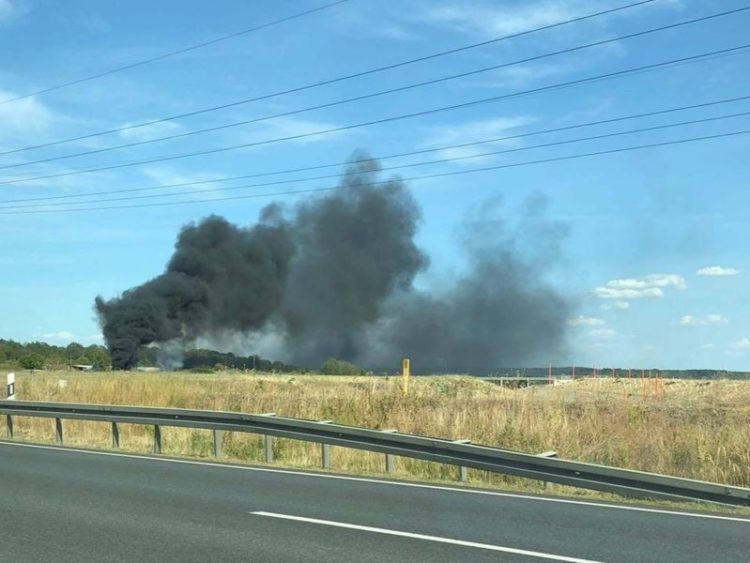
{"points": [[411, 535], [387, 482]]}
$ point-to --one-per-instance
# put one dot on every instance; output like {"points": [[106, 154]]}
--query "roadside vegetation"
{"points": [[695, 429]]}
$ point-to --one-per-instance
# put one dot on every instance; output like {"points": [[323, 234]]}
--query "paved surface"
{"points": [[69, 506]]}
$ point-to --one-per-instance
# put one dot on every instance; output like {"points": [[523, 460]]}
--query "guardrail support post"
{"points": [[157, 439], [115, 436], [9, 426], [390, 459], [58, 431], [463, 472], [268, 442], [390, 463], [325, 450], [218, 437], [325, 455], [550, 453]]}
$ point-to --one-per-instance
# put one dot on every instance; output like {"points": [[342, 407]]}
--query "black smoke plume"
{"points": [[334, 277], [220, 277]]}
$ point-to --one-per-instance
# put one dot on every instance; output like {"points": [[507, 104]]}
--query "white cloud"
{"points": [[614, 293], [66, 337], [602, 333], [717, 271], [148, 132], [5, 9], [23, 119], [521, 75], [164, 176], [690, 320], [621, 305], [580, 320], [475, 131], [494, 20], [293, 126], [741, 344], [62, 335], [10, 9], [650, 286], [653, 280], [505, 18], [707, 347]]}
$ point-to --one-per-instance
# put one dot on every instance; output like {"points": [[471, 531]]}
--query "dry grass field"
{"points": [[696, 429]]}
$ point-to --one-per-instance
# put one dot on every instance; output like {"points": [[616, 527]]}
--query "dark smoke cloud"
{"points": [[354, 249], [220, 277], [333, 277], [501, 312]]}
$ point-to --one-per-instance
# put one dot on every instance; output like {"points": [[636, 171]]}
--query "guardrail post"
{"points": [[463, 472], [325, 455], [268, 442], [58, 431], [9, 426], [325, 450], [157, 439], [218, 437], [550, 453], [115, 436], [390, 459]]}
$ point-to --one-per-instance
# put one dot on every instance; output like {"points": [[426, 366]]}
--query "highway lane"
{"points": [[73, 506]]}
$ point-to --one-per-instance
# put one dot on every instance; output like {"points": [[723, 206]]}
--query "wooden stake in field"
{"points": [[549, 374], [405, 376], [574, 372]]}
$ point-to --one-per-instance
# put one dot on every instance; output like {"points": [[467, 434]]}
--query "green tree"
{"points": [[32, 360], [332, 366]]}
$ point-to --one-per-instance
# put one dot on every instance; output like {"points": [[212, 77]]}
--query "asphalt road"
{"points": [[68, 506]]}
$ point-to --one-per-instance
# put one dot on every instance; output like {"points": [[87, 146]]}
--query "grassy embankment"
{"points": [[696, 429]]}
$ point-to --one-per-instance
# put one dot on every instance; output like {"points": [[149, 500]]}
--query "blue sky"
{"points": [[655, 259]]}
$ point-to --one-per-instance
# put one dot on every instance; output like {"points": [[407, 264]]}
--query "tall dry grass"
{"points": [[685, 428]]}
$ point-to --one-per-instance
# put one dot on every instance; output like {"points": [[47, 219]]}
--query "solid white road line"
{"points": [[520, 496], [424, 537]]}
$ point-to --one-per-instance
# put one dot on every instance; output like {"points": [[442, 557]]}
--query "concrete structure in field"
{"points": [[82, 367], [527, 381]]}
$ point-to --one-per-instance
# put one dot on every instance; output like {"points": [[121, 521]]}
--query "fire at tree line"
{"points": [[41, 356]]}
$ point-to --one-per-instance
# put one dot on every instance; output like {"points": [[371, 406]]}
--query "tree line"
{"points": [[40, 355]]}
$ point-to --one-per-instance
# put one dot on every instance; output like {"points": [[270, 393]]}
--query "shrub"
{"points": [[332, 366]]}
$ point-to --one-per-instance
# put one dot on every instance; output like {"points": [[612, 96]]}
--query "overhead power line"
{"points": [[329, 81], [386, 157], [171, 53], [407, 179], [367, 96], [560, 85], [14, 205]]}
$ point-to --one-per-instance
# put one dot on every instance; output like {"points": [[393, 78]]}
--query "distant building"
{"points": [[146, 368], [82, 367]]}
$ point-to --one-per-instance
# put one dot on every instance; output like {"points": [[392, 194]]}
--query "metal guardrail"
{"points": [[460, 453]]}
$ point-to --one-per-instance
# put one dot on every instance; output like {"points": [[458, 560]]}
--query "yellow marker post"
{"points": [[405, 376]]}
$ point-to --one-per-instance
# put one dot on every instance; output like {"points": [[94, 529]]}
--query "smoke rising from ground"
{"points": [[334, 277]]}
